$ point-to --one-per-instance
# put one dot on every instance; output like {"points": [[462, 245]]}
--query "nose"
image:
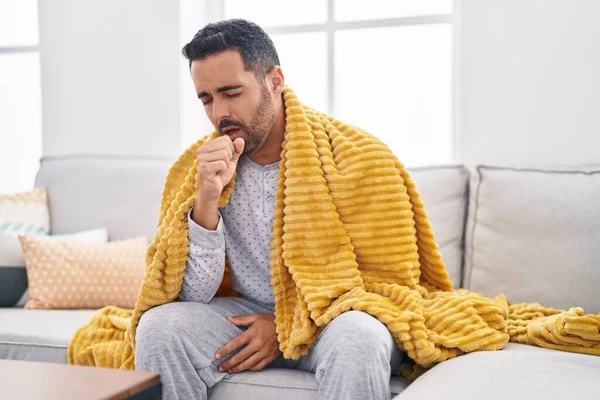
{"points": [[220, 109]]}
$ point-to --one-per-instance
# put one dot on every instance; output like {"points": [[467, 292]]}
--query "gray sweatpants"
{"points": [[352, 358]]}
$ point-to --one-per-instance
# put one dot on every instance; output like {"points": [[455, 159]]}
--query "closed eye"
{"points": [[229, 96]]}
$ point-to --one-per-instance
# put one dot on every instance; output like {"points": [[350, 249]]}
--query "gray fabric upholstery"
{"points": [[275, 384], [445, 191], [517, 372], [38, 335], [119, 193], [533, 235]]}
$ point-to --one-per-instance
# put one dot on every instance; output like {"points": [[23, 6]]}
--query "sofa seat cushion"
{"points": [[277, 383], [38, 335], [43, 335], [516, 372]]}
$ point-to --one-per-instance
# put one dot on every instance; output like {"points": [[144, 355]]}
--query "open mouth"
{"points": [[231, 131]]}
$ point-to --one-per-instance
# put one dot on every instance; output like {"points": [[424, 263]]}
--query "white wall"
{"points": [[530, 82], [194, 15], [110, 77], [114, 82]]}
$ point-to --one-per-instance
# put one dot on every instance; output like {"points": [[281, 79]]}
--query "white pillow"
{"points": [[98, 235], [11, 254]]}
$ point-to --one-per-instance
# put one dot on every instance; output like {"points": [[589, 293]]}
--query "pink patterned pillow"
{"points": [[66, 274]]}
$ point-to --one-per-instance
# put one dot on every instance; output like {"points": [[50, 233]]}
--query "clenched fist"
{"points": [[217, 162]]}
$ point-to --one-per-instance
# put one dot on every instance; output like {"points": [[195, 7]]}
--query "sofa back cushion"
{"points": [[534, 235], [123, 195], [119, 193], [444, 191]]}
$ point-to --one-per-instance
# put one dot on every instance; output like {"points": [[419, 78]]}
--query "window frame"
{"points": [[215, 11]]}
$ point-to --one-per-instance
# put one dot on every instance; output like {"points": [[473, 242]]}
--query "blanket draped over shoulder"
{"points": [[350, 232]]}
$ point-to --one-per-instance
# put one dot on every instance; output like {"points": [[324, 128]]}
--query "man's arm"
{"points": [[205, 262]]}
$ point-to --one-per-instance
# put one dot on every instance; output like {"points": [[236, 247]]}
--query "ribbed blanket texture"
{"points": [[350, 232]]}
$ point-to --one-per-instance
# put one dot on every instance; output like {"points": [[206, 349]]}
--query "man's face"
{"points": [[235, 102]]}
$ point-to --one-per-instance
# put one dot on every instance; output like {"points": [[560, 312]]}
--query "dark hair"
{"points": [[254, 45]]}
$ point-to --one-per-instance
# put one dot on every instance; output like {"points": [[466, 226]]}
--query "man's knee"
{"points": [[358, 331], [163, 324]]}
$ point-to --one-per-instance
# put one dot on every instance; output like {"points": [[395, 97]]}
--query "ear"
{"points": [[276, 79]]}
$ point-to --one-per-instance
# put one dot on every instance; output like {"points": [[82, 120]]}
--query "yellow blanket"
{"points": [[349, 233]]}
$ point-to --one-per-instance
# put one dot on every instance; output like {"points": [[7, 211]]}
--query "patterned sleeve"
{"points": [[205, 262]]}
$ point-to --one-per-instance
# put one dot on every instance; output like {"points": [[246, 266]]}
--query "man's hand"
{"points": [[261, 343], [217, 163]]}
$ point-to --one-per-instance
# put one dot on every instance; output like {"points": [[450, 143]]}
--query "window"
{"points": [[20, 96], [382, 65]]}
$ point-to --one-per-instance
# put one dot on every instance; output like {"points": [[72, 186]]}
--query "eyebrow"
{"points": [[220, 90]]}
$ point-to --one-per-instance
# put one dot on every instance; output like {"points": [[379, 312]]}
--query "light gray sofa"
{"points": [[531, 234]]}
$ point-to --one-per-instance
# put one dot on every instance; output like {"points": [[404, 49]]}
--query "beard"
{"points": [[259, 126]]}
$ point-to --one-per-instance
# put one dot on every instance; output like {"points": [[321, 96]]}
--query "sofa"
{"points": [[531, 233]]}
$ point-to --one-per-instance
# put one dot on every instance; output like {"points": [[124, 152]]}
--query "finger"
{"points": [[217, 155], [214, 167], [228, 143], [214, 145], [243, 320], [233, 344], [239, 145], [262, 364], [247, 363], [237, 358]]}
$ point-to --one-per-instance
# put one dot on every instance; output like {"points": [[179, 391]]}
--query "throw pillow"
{"points": [[13, 277], [25, 213], [65, 274], [20, 213]]}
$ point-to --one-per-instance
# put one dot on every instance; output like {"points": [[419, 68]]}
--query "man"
{"points": [[197, 342]]}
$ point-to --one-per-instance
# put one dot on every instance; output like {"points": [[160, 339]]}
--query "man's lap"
{"points": [[352, 330]]}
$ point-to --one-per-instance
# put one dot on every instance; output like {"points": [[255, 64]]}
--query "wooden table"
{"points": [[31, 380]]}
